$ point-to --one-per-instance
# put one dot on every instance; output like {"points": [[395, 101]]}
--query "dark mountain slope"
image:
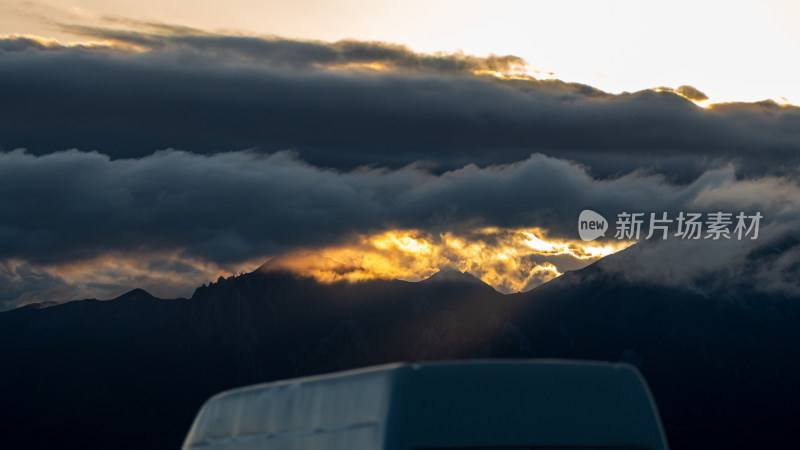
{"points": [[85, 320], [131, 373]]}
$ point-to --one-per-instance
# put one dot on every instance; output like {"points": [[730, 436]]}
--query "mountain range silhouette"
{"points": [[131, 372]]}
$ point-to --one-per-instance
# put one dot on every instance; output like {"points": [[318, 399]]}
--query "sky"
{"points": [[161, 146], [739, 51]]}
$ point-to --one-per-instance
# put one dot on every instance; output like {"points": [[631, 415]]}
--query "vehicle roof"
{"points": [[438, 405]]}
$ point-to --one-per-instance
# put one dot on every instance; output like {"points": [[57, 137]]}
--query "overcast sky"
{"points": [[161, 152]]}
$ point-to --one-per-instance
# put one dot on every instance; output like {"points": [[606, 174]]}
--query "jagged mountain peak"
{"points": [[136, 294], [453, 275]]}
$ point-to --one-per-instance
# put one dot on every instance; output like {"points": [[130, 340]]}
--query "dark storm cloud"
{"points": [[206, 93], [229, 207]]}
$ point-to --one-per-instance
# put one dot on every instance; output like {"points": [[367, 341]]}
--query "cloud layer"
{"points": [[226, 208], [350, 103], [230, 206], [288, 145]]}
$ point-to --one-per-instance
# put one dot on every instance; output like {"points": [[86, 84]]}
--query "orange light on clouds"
{"points": [[705, 103], [53, 44], [371, 66], [164, 274], [532, 76], [510, 260]]}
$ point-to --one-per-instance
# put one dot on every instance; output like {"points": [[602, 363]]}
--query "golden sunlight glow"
{"points": [[532, 76], [701, 103], [370, 66], [54, 44], [510, 260]]}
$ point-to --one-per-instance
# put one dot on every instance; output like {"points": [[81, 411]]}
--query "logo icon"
{"points": [[591, 225]]}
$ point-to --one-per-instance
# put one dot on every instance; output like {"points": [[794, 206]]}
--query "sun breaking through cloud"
{"points": [[510, 260]]}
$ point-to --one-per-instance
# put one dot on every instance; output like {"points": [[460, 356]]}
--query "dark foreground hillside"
{"points": [[132, 372]]}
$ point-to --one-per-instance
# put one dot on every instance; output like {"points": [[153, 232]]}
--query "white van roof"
{"points": [[445, 405]]}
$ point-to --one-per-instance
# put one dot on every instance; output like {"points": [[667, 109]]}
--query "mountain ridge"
{"points": [[92, 370]]}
